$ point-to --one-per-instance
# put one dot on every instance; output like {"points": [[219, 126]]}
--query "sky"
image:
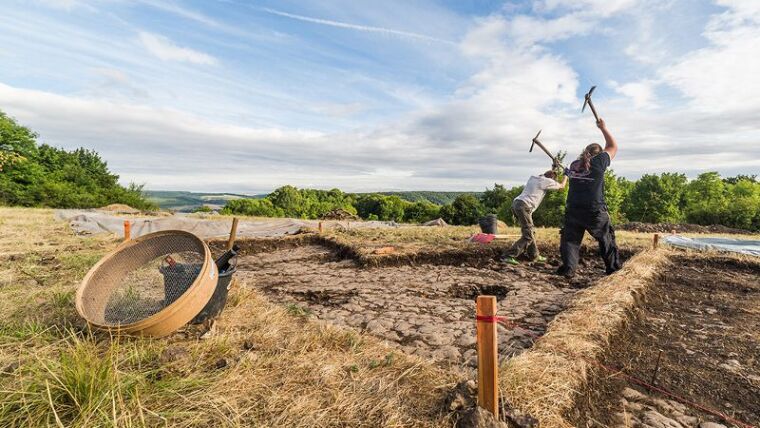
{"points": [[246, 96]]}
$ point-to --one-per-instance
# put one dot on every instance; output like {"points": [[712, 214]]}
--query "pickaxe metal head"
{"points": [[587, 98], [535, 140]]}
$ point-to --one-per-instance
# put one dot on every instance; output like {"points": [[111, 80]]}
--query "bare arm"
{"points": [[610, 145], [557, 185]]}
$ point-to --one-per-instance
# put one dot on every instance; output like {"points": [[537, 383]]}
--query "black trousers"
{"points": [[597, 223]]}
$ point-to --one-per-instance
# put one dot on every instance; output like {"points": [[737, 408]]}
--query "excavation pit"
{"points": [[423, 309]]}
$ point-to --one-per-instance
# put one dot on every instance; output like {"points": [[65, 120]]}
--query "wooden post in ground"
{"points": [[655, 240], [320, 227], [488, 355], [233, 233], [127, 230]]}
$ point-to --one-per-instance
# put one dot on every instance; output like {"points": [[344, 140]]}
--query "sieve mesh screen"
{"points": [[142, 279]]}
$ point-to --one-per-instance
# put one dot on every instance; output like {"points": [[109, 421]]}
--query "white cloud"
{"points": [[164, 49], [509, 84], [722, 77], [642, 92]]}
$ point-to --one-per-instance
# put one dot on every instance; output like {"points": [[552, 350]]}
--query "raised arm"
{"points": [[610, 145]]}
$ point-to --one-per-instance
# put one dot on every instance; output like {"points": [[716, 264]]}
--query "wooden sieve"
{"points": [[150, 286]]}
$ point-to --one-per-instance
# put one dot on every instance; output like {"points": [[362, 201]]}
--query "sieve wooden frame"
{"points": [[173, 316]]}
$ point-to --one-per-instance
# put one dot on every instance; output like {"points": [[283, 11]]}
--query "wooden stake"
{"points": [[233, 233], [320, 227], [655, 240], [127, 230], [488, 356]]}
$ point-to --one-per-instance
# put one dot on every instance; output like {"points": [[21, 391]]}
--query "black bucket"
{"points": [[489, 224], [219, 299], [177, 279]]}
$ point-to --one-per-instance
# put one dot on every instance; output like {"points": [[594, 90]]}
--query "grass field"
{"points": [[265, 364]]}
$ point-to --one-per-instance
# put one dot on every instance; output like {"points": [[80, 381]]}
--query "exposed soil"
{"points": [[703, 320], [679, 228], [427, 310]]}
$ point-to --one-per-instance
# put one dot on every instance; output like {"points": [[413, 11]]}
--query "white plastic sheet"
{"points": [[96, 222], [742, 246]]}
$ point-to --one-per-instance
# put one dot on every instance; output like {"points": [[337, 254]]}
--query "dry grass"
{"points": [[545, 380], [265, 365], [415, 239]]}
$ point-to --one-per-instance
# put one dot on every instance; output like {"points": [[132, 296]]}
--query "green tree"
{"points": [[419, 212], [494, 198], [705, 199], [380, 207], [252, 207], [288, 199], [740, 177], [465, 210], [743, 208], [656, 199], [616, 191]]}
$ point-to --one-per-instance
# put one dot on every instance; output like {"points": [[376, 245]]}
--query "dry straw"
{"points": [[546, 380]]}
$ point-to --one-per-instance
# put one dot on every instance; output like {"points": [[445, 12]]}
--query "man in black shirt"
{"points": [[586, 209]]}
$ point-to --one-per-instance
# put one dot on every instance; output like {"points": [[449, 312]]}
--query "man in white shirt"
{"points": [[523, 207]]}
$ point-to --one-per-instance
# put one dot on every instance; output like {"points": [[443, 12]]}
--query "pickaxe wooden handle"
{"points": [[587, 101], [538, 143]]}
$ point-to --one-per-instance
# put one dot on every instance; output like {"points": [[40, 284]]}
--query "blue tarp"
{"points": [[743, 246]]}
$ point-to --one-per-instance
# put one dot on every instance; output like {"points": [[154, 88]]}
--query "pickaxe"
{"points": [[587, 101], [548, 153]]}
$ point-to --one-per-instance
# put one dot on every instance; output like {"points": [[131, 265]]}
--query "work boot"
{"points": [[565, 271], [510, 260]]}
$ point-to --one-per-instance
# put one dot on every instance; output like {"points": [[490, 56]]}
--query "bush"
{"points": [[203, 209], [657, 199], [465, 210], [252, 207], [420, 212]]}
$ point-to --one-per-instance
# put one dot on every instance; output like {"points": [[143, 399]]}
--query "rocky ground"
{"points": [[426, 310], [701, 323]]}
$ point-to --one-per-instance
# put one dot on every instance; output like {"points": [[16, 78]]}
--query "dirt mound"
{"points": [[338, 214], [437, 222], [636, 226], [120, 209]]}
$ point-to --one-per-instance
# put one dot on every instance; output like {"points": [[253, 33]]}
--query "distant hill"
{"points": [[438, 198], [187, 201]]}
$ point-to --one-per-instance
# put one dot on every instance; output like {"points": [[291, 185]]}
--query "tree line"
{"points": [[39, 175], [664, 198], [33, 174]]}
